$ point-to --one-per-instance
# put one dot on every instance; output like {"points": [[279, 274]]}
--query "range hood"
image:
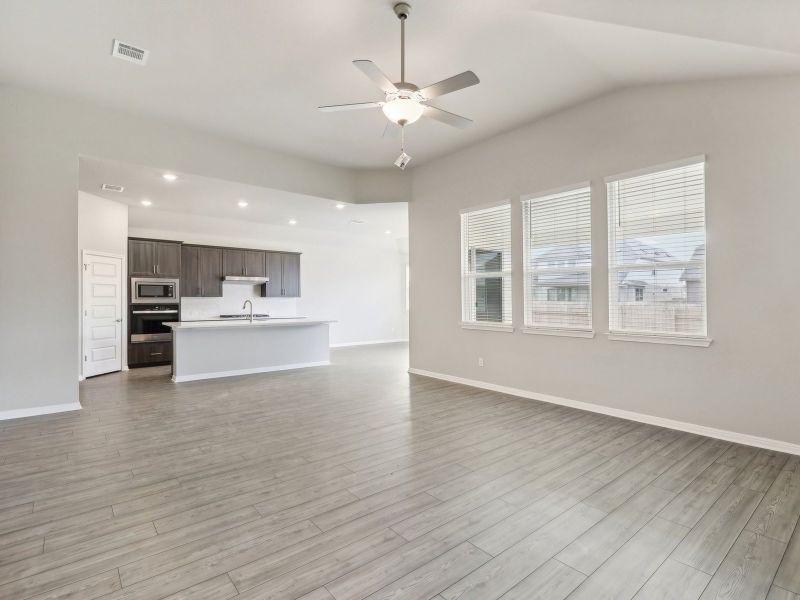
{"points": [[245, 279]]}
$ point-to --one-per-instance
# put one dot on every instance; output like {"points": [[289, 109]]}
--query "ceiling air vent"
{"points": [[130, 53], [110, 187]]}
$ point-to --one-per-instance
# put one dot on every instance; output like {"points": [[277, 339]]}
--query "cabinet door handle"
{"points": [[156, 353]]}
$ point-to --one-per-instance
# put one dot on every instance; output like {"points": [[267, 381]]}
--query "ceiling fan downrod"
{"points": [[402, 10]]}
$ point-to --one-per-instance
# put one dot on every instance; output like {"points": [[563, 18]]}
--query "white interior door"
{"points": [[103, 293]]}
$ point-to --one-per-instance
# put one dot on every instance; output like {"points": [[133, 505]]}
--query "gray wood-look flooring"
{"points": [[360, 481]]}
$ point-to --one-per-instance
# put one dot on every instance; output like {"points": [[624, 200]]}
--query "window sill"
{"points": [[578, 333], [701, 342], [505, 327]]}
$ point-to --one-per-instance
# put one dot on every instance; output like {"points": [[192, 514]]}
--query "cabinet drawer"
{"points": [[149, 353]]}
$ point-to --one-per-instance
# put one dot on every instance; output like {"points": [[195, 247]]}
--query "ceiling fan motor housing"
{"points": [[402, 10]]}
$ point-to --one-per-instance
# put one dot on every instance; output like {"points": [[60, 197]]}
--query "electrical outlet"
{"points": [[480, 361]]}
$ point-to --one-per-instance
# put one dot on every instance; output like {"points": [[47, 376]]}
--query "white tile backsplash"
{"points": [[233, 296]]}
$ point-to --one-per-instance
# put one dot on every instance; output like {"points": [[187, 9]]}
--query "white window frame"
{"points": [[680, 339], [504, 326], [528, 268]]}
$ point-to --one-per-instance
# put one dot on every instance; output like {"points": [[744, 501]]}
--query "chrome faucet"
{"points": [[246, 302]]}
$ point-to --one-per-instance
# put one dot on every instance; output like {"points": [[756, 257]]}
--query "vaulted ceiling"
{"points": [[257, 70]]}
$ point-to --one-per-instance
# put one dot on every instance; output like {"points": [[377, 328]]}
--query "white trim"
{"points": [[36, 411], [722, 434], [578, 333], [125, 368], [368, 343], [487, 206], [97, 253], [583, 185], [675, 164], [81, 377], [677, 340], [504, 327], [238, 372]]}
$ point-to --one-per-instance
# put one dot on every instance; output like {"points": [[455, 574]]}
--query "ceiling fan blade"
{"points": [[446, 117], [371, 70], [452, 84], [357, 106], [391, 131]]}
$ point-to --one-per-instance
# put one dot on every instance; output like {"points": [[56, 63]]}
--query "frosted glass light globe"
{"points": [[403, 109]]}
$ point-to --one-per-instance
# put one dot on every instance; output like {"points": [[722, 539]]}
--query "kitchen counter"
{"points": [[231, 347], [224, 323]]}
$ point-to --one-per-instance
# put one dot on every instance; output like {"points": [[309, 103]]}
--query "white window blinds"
{"points": [[657, 252], [557, 242], [486, 265]]}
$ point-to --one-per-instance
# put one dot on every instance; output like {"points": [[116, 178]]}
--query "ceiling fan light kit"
{"points": [[404, 103]]}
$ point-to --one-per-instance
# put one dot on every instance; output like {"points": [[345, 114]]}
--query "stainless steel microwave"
{"points": [[150, 290]]}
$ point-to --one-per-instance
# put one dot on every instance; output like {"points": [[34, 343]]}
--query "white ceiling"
{"points": [[206, 196], [257, 70]]}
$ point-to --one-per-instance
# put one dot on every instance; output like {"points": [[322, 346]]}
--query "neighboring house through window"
{"points": [[557, 247], [486, 266], [657, 251]]}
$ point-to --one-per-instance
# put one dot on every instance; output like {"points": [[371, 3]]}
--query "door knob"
{"points": [[118, 320]]}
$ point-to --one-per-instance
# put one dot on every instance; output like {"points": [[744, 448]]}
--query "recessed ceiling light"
{"points": [[242, 203], [170, 176], [340, 206], [292, 222], [388, 231], [146, 203]]}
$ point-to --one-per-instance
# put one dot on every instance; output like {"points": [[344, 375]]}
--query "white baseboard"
{"points": [[218, 374], [369, 343], [722, 434], [38, 410]]}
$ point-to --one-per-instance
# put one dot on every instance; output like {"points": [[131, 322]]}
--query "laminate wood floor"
{"points": [[360, 481]]}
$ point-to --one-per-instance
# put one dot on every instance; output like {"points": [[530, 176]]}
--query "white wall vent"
{"points": [[130, 53], [110, 187]]}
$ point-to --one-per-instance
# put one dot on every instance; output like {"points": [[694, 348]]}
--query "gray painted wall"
{"points": [[41, 137], [748, 380]]}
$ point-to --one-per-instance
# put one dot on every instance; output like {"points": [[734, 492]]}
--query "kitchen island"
{"points": [[226, 348]]}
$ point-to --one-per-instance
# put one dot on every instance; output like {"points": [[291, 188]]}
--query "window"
{"points": [[486, 267], [657, 252], [557, 243]]}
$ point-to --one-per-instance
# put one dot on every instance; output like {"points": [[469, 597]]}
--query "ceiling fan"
{"points": [[404, 102]]}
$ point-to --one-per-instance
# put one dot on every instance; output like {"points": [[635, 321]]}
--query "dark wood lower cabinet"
{"points": [[146, 354]]}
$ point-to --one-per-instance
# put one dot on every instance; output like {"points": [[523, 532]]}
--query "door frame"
{"points": [[123, 308]]}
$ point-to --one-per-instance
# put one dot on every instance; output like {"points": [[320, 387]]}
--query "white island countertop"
{"points": [[238, 323], [230, 347]]}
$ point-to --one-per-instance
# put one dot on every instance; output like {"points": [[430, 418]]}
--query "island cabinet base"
{"points": [[212, 352]]}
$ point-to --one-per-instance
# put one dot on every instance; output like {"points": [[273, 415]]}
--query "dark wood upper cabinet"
{"points": [[210, 271], [141, 258], [255, 263], [168, 259], [290, 272], [232, 262], [273, 288], [283, 270], [190, 277], [153, 258], [201, 271]]}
